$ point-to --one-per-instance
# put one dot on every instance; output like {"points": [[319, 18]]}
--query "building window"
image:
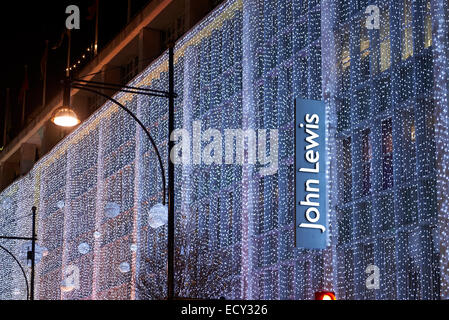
{"points": [[344, 51], [387, 154], [345, 61], [385, 49], [364, 51], [408, 145], [347, 170], [367, 155], [428, 26], [407, 31]]}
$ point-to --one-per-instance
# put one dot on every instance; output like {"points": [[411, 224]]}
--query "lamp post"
{"points": [[31, 255], [66, 117]]}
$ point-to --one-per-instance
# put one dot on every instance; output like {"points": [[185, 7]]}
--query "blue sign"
{"points": [[311, 179]]}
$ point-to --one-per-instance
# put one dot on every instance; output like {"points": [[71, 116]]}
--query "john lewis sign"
{"points": [[311, 181]]}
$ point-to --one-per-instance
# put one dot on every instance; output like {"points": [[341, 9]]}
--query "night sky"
{"points": [[26, 25]]}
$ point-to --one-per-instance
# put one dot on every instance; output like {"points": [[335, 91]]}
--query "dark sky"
{"points": [[24, 27]]}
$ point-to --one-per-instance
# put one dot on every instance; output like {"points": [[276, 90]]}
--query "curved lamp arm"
{"points": [[21, 268], [80, 87]]}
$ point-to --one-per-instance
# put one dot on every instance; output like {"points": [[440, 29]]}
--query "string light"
{"points": [[242, 67]]}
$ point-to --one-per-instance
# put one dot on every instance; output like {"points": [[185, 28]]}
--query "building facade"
{"points": [[241, 68]]}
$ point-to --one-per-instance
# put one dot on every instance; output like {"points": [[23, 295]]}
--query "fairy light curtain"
{"points": [[241, 68]]}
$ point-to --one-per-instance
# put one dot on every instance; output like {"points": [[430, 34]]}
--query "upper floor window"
{"points": [[364, 51], [428, 25], [367, 154], [345, 61], [387, 154], [408, 145], [347, 170], [407, 31], [385, 49], [344, 50]]}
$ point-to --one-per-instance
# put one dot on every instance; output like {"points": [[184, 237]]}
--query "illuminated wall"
{"points": [[241, 68], [388, 213]]}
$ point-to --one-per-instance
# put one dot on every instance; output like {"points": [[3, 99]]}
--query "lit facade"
{"points": [[241, 68]]}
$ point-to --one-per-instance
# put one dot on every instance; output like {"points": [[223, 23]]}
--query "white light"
{"points": [[60, 204], [112, 210], [84, 248], [39, 253], [65, 117], [124, 267], [7, 203], [67, 287], [158, 216], [97, 235]]}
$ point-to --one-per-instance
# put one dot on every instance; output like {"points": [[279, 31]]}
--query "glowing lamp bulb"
{"points": [[158, 216], [65, 117]]}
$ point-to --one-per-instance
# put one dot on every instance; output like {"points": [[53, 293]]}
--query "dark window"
{"points": [[364, 51], [366, 161], [387, 150], [387, 136], [347, 170]]}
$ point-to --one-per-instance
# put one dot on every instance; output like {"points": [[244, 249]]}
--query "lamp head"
{"points": [[65, 117]]}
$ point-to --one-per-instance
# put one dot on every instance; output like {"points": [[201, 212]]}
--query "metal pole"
{"points": [[15, 238], [33, 252], [171, 181]]}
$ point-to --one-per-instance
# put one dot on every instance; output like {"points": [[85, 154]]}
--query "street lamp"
{"points": [[162, 213], [65, 117]]}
